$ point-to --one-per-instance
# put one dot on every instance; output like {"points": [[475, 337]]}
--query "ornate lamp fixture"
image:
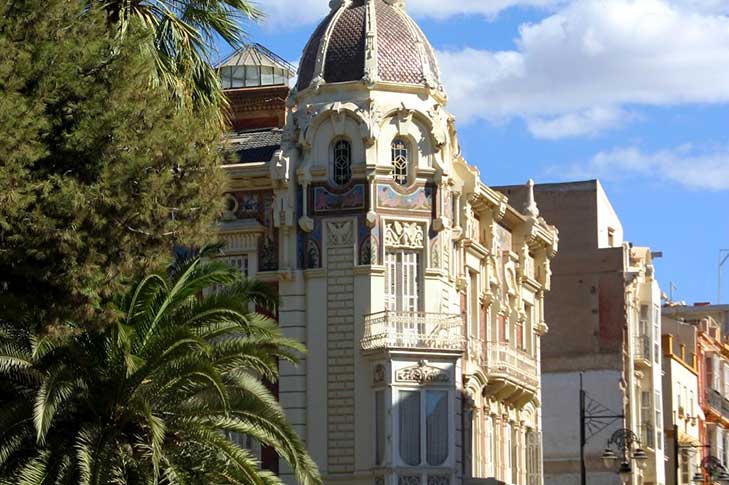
{"points": [[624, 446]]}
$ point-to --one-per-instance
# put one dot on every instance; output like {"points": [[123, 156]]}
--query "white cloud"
{"points": [[283, 13], [684, 165], [592, 54], [587, 122]]}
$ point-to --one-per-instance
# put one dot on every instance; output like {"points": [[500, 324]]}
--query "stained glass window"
{"points": [[342, 162], [400, 161]]}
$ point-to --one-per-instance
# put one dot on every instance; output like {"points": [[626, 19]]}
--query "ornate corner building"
{"points": [[418, 290]]}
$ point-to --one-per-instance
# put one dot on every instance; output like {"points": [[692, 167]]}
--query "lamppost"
{"points": [[677, 448], [624, 447], [594, 418], [713, 472]]}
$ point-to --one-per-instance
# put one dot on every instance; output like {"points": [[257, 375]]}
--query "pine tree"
{"points": [[101, 175]]}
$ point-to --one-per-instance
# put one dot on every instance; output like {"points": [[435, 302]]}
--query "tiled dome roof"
{"points": [[338, 49]]}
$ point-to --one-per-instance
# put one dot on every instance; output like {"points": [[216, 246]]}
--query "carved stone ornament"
{"points": [[340, 233], [422, 374], [404, 118], [404, 235], [280, 168], [440, 124], [379, 374], [231, 208], [372, 118]]}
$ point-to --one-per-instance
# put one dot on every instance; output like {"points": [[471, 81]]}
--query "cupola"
{"points": [[371, 41]]}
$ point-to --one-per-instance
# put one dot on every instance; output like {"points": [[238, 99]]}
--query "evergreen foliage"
{"points": [[101, 174], [184, 34], [154, 398]]}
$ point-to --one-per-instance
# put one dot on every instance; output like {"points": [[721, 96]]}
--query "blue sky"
{"points": [[633, 92]]}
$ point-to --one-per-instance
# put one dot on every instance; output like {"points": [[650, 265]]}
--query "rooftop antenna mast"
{"points": [[723, 257], [671, 286]]}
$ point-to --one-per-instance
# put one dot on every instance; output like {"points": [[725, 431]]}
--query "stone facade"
{"points": [[418, 290]]}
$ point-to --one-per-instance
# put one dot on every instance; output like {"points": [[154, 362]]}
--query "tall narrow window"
{"points": [[342, 162], [474, 308], [489, 446], [403, 273], [379, 427], [507, 450], [400, 161], [410, 427], [436, 427], [659, 420]]}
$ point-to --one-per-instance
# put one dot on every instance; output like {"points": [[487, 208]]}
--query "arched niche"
{"points": [[332, 125], [411, 127]]}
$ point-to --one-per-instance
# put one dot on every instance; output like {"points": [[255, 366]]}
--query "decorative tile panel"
{"points": [[327, 201], [419, 200]]}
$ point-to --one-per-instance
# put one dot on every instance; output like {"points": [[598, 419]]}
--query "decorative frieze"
{"points": [[410, 235], [422, 374]]}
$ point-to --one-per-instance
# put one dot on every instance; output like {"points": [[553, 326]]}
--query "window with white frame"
{"points": [[473, 306], [423, 427], [402, 280], [646, 411], [247, 443], [341, 162], [400, 161], [659, 420], [657, 335], [720, 445], [489, 446], [507, 450], [379, 427], [239, 262]]}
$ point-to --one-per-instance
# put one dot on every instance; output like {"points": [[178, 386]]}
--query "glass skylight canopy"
{"points": [[253, 66]]}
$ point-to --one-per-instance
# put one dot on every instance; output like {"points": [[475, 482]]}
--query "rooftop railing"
{"points": [[413, 331]]}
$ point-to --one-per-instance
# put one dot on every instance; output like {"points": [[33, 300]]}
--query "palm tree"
{"points": [[184, 33], [156, 399]]}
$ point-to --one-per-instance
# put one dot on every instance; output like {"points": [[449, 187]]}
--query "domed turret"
{"points": [[369, 40]]}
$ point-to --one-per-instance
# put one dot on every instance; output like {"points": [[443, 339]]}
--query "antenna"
{"points": [[723, 257], [671, 286]]}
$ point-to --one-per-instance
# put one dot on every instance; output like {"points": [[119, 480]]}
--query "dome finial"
{"points": [[396, 3], [530, 207]]}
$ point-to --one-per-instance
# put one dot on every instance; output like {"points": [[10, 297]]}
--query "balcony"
{"points": [[413, 331], [718, 403], [714, 400], [642, 350], [512, 374], [512, 363]]}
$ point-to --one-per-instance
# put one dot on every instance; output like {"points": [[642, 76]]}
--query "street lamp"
{"points": [[713, 469], [688, 448], [627, 445]]}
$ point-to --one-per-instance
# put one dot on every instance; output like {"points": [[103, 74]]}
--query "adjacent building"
{"points": [[418, 290], [712, 355], [683, 417], [604, 313]]}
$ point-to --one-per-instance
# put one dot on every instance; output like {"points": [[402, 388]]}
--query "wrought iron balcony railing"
{"points": [[413, 331], [506, 360], [714, 400], [642, 349]]}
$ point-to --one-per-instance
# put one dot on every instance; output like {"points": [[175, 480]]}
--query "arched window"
{"points": [[342, 162], [400, 161]]}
